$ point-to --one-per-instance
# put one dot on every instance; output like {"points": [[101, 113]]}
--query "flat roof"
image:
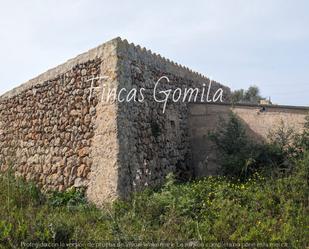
{"points": [[253, 105]]}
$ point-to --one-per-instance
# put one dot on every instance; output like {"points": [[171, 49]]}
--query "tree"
{"points": [[240, 156], [252, 95], [234, 147], [238, 96]]}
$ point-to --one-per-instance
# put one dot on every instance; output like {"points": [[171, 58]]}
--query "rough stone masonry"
{"points": [[55, 131]]}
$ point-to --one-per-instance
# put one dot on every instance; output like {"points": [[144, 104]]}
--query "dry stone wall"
{"points": [[49, 126], [52, 132], [154, 143], [47, 130]]}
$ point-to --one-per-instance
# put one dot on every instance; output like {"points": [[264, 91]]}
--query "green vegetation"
{"points": [[252, 207], [250, 96], [212, 209], [241, 157]]}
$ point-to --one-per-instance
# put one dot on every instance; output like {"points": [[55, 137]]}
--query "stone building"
{"points": [[259, 121], [63, 128]]}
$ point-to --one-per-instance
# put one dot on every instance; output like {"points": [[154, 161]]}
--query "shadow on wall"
{"points": [[257, 120]]}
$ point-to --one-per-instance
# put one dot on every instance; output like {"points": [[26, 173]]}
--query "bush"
{"points": [[213, 209], [241, 157], [301, 143], [15, 192], [71, 197]]}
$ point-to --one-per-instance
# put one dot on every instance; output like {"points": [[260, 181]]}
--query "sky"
{"points": [[236, 42]]}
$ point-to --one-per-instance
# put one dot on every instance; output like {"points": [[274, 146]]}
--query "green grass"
{"points": [[213, 209]]}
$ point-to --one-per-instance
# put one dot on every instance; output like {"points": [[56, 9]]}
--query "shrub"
{"points": [[18, 193], [71, 197], [240, 157], [302, 140], [62, 232], [213, 209], [230, 137]]}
